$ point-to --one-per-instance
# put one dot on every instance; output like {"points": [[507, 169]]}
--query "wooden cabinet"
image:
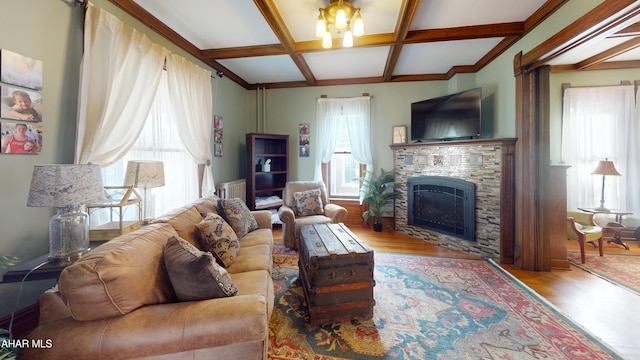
{"points": [[267, 169]]}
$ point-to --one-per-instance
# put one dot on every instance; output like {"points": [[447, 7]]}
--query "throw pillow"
{"points": [[238, 215], [217, 237], [308, 202], [194, 274]]}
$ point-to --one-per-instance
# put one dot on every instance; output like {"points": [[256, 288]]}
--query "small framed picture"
{"points": [[399, 134]]}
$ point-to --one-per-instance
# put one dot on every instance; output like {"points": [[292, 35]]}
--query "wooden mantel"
{"points": [[470, 142]]}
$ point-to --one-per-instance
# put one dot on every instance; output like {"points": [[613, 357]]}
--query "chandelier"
{"points": [[339, 13]]}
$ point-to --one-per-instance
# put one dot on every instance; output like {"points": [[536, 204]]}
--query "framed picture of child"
{"points": [[20, 104], [20, 70], [21, 138]]}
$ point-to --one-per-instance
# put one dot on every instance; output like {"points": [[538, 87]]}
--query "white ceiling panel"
{"points": [[264, 69], [435, 57], [209, 24], [429, 14], [349, 63]]}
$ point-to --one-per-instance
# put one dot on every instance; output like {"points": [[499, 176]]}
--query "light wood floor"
{"points": [[607, 311]]}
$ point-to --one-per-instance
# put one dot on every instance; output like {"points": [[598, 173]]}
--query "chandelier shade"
{"points": [[339, 14]]}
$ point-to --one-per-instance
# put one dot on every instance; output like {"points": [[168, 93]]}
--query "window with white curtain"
{"points": [[159, 141], [344, 142], [598, 124], [343, 169]]}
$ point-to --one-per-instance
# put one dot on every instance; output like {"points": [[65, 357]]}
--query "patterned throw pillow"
{"points": [[308, 202], [217, 237], [238, 215], [194, 274]]}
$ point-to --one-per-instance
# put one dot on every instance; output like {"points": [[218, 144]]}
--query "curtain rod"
{"points": [[622, 83], [363, 94]]}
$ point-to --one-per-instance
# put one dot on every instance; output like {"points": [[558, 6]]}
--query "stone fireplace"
{"points": [[483, 169], [442, 204]]}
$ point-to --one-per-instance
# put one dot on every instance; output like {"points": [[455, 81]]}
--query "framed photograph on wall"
{"points": [[21, 138], [20, 104], [399, 134], [20, 70]]}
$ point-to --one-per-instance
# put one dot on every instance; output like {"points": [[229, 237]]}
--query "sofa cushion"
{"points": [[257, 257], [183, 220], [194, 274], [207, 205], [119, 276], [308, 202], [238, 215], [217, 237]]}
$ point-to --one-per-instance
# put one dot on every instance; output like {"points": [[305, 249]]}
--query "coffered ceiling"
{"points": [[272, 43]]}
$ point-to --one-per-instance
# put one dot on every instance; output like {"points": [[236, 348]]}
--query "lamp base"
{"points": [[68, 234]]}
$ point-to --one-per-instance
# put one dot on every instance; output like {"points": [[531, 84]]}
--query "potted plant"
{"points": [[379, 192]]}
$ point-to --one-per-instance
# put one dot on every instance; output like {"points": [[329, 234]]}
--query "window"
{"points": [[343, 170], [159, 140], [344, 144]]}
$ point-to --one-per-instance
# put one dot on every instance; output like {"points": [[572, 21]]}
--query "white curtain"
{"points": [[192, 105], [597, 124], [633, 162], [355, 115], [119, 78]]}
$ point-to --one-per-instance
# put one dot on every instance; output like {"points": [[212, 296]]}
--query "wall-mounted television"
{"points": [[449, 117]]}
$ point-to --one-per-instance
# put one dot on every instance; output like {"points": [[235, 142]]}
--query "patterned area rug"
{"points": [[429, 308], [622, 270]]}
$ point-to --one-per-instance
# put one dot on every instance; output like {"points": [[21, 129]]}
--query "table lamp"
{"points": [[67, 188], [145, 174], [604, 168]]}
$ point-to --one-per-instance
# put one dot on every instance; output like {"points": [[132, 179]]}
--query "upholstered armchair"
{"points": [[305, 203], [582, 227]]}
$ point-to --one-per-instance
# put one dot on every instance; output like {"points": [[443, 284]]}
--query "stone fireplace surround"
{"points": [[489, 164]]}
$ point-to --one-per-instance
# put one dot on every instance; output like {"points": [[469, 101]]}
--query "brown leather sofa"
{"points": [[117, 302]]}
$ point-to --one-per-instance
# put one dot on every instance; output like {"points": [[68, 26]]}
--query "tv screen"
{"points": [[454, 116]]}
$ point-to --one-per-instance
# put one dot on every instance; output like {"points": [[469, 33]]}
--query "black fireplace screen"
{"points": [[442, 204]]}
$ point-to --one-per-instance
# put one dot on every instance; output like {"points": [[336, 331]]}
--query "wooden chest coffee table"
{"points": [[336, 269]]}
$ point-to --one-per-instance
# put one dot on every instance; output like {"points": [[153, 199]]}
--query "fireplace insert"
{"points": [[442, 204]]}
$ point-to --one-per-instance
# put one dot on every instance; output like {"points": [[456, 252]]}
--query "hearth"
{"points": [[442, 204]]}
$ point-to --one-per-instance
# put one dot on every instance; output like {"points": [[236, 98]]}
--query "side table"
{"points": [[50, 270]]}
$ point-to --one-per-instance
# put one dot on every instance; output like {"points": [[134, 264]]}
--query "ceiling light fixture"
{"points": [[339, 13]]}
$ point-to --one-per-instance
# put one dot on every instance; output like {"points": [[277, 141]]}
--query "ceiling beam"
{"points": [[273, 18], [244, 51], [608, 54], [465, 32], [596, 23], [407, 11]]}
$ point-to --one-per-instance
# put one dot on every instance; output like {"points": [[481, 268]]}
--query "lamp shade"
{"points": [[605, 167], [62, 185], [144, 174]]}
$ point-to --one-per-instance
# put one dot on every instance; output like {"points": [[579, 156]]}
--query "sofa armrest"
{"points": [[176, 327], [337, 213], [263, 218]]}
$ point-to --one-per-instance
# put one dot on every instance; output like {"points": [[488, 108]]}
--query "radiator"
{"points": [[232, 189]]}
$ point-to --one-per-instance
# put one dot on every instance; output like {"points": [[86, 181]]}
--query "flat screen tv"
{"points": [[449, 117]]}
